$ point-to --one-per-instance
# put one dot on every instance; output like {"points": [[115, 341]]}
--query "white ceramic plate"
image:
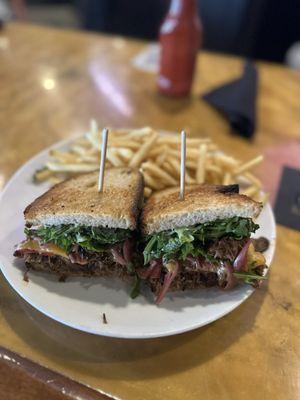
{"points": [[80, 302]]}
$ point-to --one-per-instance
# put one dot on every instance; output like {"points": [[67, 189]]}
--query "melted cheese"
{"points": [[49, 248], [255, 257]]}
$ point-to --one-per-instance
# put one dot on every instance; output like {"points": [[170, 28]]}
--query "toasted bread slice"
{"points": [[202, 203], [77, 201]]}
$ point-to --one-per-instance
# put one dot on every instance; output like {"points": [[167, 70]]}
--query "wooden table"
{"points": [[52, 83]]}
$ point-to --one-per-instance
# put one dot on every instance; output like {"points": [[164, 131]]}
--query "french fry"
{"points": [[84, 152], [263, 197], [125, 143], [136, 135], [251, 191], [152, 182], [168, 167], [175, 163], [160, 173], [191, 152], [58, 167], [42, 175], [173, 167], [214, 168], [87, 158], [251, 178], [143, 151], [249, 165], [93, 139], [141, 133], [81, 141], [191, 164], [214, 178], [227, 178], [175, 139], [120, 131], [125, 154], [225, 161], [63, 156], [155, 151], [171, 152], [112, 156], [147, 191], [215, 174], [79, 149], [161, 157], [200, 172], [55, 180], [158, 156]]}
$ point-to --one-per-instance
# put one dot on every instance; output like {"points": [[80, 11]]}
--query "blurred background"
{"points": [[261, 29]]}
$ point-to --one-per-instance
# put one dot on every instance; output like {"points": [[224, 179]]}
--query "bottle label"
{"points": [[168, 26], [164, 82], [175, 8]]}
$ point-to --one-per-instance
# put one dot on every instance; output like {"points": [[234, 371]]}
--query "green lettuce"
{"points": [[90, 238], [249, 277], [193, 240]]}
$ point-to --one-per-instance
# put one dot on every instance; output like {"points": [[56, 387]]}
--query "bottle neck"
{"points": [[182, 8]]}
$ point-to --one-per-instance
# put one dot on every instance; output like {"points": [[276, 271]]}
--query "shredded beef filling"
{"points": [[113, 262], [226, 248], [99, 264], [186, 280], [196, 272], [217, 267]]}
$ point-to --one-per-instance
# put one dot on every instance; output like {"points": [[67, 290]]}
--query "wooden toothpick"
{"points": [[182, 165], [103, 159]]}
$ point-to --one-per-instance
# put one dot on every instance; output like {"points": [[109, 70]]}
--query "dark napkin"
{"points": [[236, 100], [287, 207]]}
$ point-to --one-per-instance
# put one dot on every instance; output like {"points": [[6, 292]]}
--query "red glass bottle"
{"points": [[180, 39]]}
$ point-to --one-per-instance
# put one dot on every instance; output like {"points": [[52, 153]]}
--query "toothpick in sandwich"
{"points": [[182, 165], [103, 159]]}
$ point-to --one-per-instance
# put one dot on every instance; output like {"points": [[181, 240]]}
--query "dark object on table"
{"points": [[261, 244], [287, 207], [236, 100]]}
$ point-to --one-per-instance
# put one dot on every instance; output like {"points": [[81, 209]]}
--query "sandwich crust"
{"points": [[203, 203], [77, 201]]}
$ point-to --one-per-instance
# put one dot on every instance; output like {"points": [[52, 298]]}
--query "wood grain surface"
{"points": [[52, 83], [22, 379]]}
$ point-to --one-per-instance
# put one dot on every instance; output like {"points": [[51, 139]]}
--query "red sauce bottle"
{"points": [[180, 38]]}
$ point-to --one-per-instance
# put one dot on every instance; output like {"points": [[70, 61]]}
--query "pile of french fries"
{"points": [[157, 155]]}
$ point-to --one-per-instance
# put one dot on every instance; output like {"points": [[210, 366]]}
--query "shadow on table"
{"points": [[137, 359]]}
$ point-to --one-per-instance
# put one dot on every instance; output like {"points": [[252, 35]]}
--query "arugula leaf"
{"points": [[135, 291], [90, 238], [92, 246], [182, 242], [130, 268], [27, 231], [248, 277]]}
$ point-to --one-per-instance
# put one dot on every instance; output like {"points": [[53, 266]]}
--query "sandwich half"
{"points": [[201, 241], [74, 230]]}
